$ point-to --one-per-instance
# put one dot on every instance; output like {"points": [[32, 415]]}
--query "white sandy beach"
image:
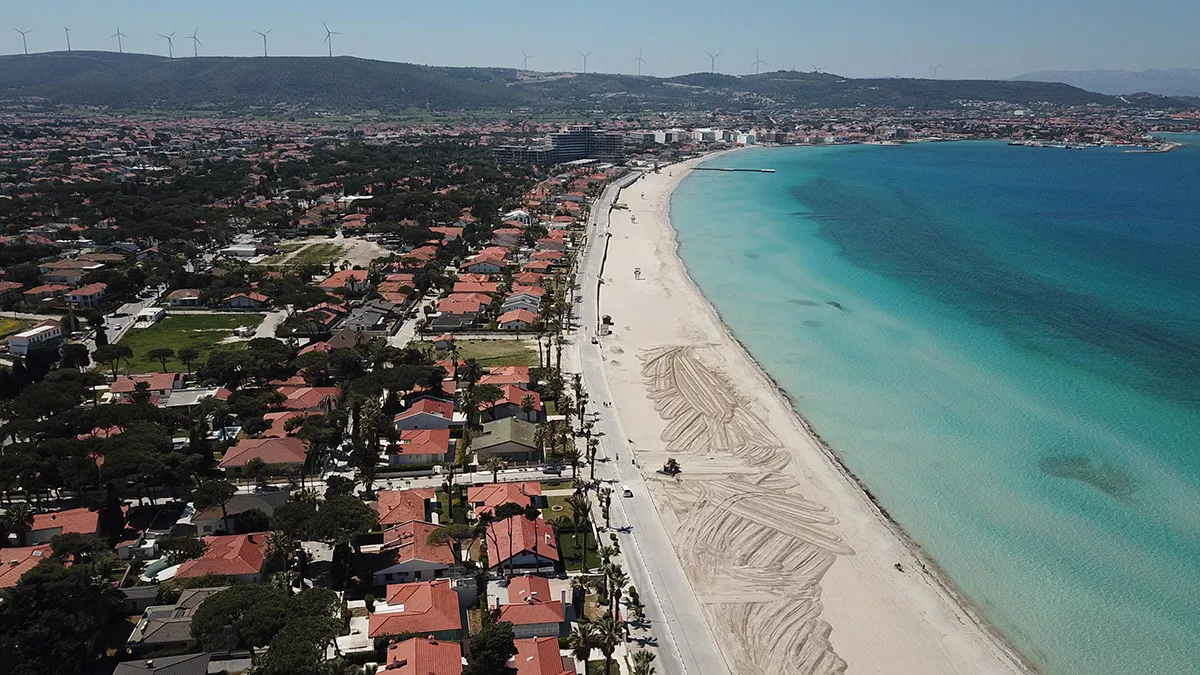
{"points": [[792, 564]]}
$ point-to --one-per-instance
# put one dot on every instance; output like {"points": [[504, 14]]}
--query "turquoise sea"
{"points": [[1004, 344]]}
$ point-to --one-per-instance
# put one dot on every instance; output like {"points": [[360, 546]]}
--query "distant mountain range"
{"points": [[350, 84], [1173, 82]]}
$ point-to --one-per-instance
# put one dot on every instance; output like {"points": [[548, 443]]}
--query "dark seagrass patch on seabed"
{"points": [[1103, 476]]}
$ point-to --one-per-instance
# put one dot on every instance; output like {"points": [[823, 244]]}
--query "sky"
{"points": [[857, 38]]}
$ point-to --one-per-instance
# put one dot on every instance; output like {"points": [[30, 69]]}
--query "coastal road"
{"points": [[686, 644]]}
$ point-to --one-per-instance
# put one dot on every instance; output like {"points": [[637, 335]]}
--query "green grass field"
{"points": [[491, 353], [318, 253], [198, 331], [570, 552], [9, 326]]}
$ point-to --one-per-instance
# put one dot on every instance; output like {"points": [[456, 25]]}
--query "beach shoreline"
{"points": [[941, 631]]}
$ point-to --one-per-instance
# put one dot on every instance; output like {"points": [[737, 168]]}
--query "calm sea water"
{"points": [[1012, 364]]}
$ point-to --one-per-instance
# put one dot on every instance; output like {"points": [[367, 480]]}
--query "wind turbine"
{"points": [[329, 37], [119, 35], [712, 61], [264, 37], [525, 61], [585, 55], [640, 61], [23, 42], [935, 70], [196, 43], [757, 62], [817, 69], [170, 43], [68, 31]]}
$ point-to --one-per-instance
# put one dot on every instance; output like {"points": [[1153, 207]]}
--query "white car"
{"points": [[626, 491]]}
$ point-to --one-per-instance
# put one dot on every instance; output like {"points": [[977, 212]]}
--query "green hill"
{"points": [[348, 84]]}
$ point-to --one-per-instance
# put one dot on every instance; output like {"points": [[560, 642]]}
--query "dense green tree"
{"points": [[162, 355], [490, 651], [214, 493]]}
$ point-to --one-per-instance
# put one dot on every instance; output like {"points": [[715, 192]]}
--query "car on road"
{"points": [[554, 470], [626, 491], [595, 341]]}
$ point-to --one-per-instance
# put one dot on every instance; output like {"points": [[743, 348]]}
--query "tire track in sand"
{"points": [[754, 548]]}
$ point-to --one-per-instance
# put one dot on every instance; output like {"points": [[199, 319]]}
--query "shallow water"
{"points": [[1004, 343]]}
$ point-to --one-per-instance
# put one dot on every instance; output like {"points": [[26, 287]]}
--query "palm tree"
{"points": [[616, 582], [609, 634], [593, 444], [18, 519], [571, 454], [494, 465], [581, 507], [582, 640], [641, 663]]}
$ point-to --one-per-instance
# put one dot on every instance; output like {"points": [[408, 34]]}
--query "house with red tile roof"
{"points": [[474, 278], [484, 498], [502, 375], [407, 555], [448, 233], [184, 297], [531, 610], [528, 278], [279, 420], [352, 281], [251, 300], [426, 413], [421, 446], [533, 544], [539, 266], [517, 319], [159, 384], [87, 296], [46, 526], [396, 507], [488, 261], [541, 656], [239, 556], [421, 608], [278, 453], [15, 562], [424, 656], [509, 405], [45, 292], [485, 287], [315, 399]]}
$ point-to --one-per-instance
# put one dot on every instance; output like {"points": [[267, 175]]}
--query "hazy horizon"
{"points": [[862, 38]]}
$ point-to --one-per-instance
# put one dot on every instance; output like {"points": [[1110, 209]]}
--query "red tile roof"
{"points": [[524, 315], [502, 375], [431, 406], [511, 393], [156, 382], [396, 507], [15, 562], [309, 398], [232, 555], [410, 541], [487, 497], [424, 656], [344, 278], [428, 606], [529, 602], [279, 420], [78, 520], [524, 533], [422, 442], [540, 656], [290, 450]]}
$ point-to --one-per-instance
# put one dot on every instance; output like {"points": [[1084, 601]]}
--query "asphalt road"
{"points": [[685, 640]]}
